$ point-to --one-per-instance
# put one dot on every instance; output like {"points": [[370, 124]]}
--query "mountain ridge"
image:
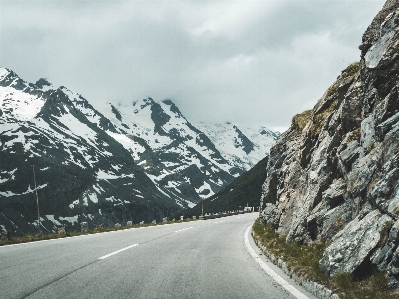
{"points": [[103, 168]]}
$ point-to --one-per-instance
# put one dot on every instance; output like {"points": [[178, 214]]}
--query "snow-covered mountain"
{"points": [[82, 173], [243, 147], [178, 157], [142, 161]]}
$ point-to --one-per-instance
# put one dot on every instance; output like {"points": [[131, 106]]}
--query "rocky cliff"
{"points": [[333, 176]]}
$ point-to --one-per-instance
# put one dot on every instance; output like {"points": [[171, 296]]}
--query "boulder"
{"points": [[353, 245]]}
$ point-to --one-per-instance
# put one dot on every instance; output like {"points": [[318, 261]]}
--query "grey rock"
{"points": [[388, 245], [352, 246], [334, 195], [5, 235], [350, 154], [84, 227]]}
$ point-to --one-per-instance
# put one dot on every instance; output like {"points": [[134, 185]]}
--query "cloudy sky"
{"points": [[248, 62]]}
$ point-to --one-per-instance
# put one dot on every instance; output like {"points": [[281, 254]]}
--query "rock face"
{"points": [[333, 176]]}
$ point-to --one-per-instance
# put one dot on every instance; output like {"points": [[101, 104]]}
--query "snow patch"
{"points": [[71, 220], [52, 219]]}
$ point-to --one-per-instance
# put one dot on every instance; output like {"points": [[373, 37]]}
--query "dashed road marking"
{"points": [[177, 231], [115, 252]]}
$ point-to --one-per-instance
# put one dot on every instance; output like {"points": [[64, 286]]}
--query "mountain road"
{"points": [[200, 259]]}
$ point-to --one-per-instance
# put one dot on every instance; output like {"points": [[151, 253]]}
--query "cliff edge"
{"points": [[334, 175]]}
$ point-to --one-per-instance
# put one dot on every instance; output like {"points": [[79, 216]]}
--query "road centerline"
{"points": [[178, 231], [118, 251]]}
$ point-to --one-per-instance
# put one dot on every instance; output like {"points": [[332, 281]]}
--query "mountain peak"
{"points": [[168, 102], [4, 73], [42, 82]]}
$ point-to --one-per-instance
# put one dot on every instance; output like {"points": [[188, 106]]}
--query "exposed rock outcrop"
{"points": [[333, 176]]}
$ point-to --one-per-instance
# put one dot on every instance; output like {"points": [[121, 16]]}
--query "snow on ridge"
{"points": [[73, 219], [227, 140], [3, 73], [19, 104], [29, 190], [102, 175], [204, 187], [52, 219]]}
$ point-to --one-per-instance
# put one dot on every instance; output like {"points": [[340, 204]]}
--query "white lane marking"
{"points": [[270, 271], [177, 231], [115, 252]]}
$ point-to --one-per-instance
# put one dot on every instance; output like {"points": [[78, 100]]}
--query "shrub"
{"points": [[352, 69], [304, 260], [322, 115], [300, 120]]}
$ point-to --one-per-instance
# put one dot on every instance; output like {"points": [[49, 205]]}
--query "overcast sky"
{"points": [[248, 62]]}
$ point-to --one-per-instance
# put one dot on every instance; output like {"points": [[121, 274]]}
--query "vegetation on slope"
{"points": [[246, 189], [304, 260], [300, 120]]}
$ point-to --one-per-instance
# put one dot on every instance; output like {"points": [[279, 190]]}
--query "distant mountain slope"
{"points": [[144, 161], [183, 160], [243, 146], [179, 157], [244, 190], [82, 172]]}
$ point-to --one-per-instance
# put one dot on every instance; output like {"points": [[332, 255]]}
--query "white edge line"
{"points": [[115, 252], [270, 271]]}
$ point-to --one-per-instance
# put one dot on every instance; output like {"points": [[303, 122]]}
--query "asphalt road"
{"points": [[201, 259]]}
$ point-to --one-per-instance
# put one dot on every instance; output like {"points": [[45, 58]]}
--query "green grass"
{"points": [[41, 237], [300, 120], [322, 115], [332, 90], [352, 69], [304, 260]]}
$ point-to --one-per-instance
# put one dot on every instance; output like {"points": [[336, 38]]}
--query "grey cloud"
{"points": [[261, 64]]}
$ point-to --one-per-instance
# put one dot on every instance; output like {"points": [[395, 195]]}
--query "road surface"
{"points": [[200, 259]]}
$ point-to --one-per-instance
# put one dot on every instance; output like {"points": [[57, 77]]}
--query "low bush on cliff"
{"points": [[304, 260], [300, 120], [321, 116], [351, 69]]}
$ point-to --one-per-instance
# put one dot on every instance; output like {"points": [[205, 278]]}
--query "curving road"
{"points": [[201, 259]]}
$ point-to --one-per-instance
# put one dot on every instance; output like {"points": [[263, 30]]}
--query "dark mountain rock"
{"points": [[243, 141], [42, 82], [244, 190], [142, 162], [82, 173]]}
